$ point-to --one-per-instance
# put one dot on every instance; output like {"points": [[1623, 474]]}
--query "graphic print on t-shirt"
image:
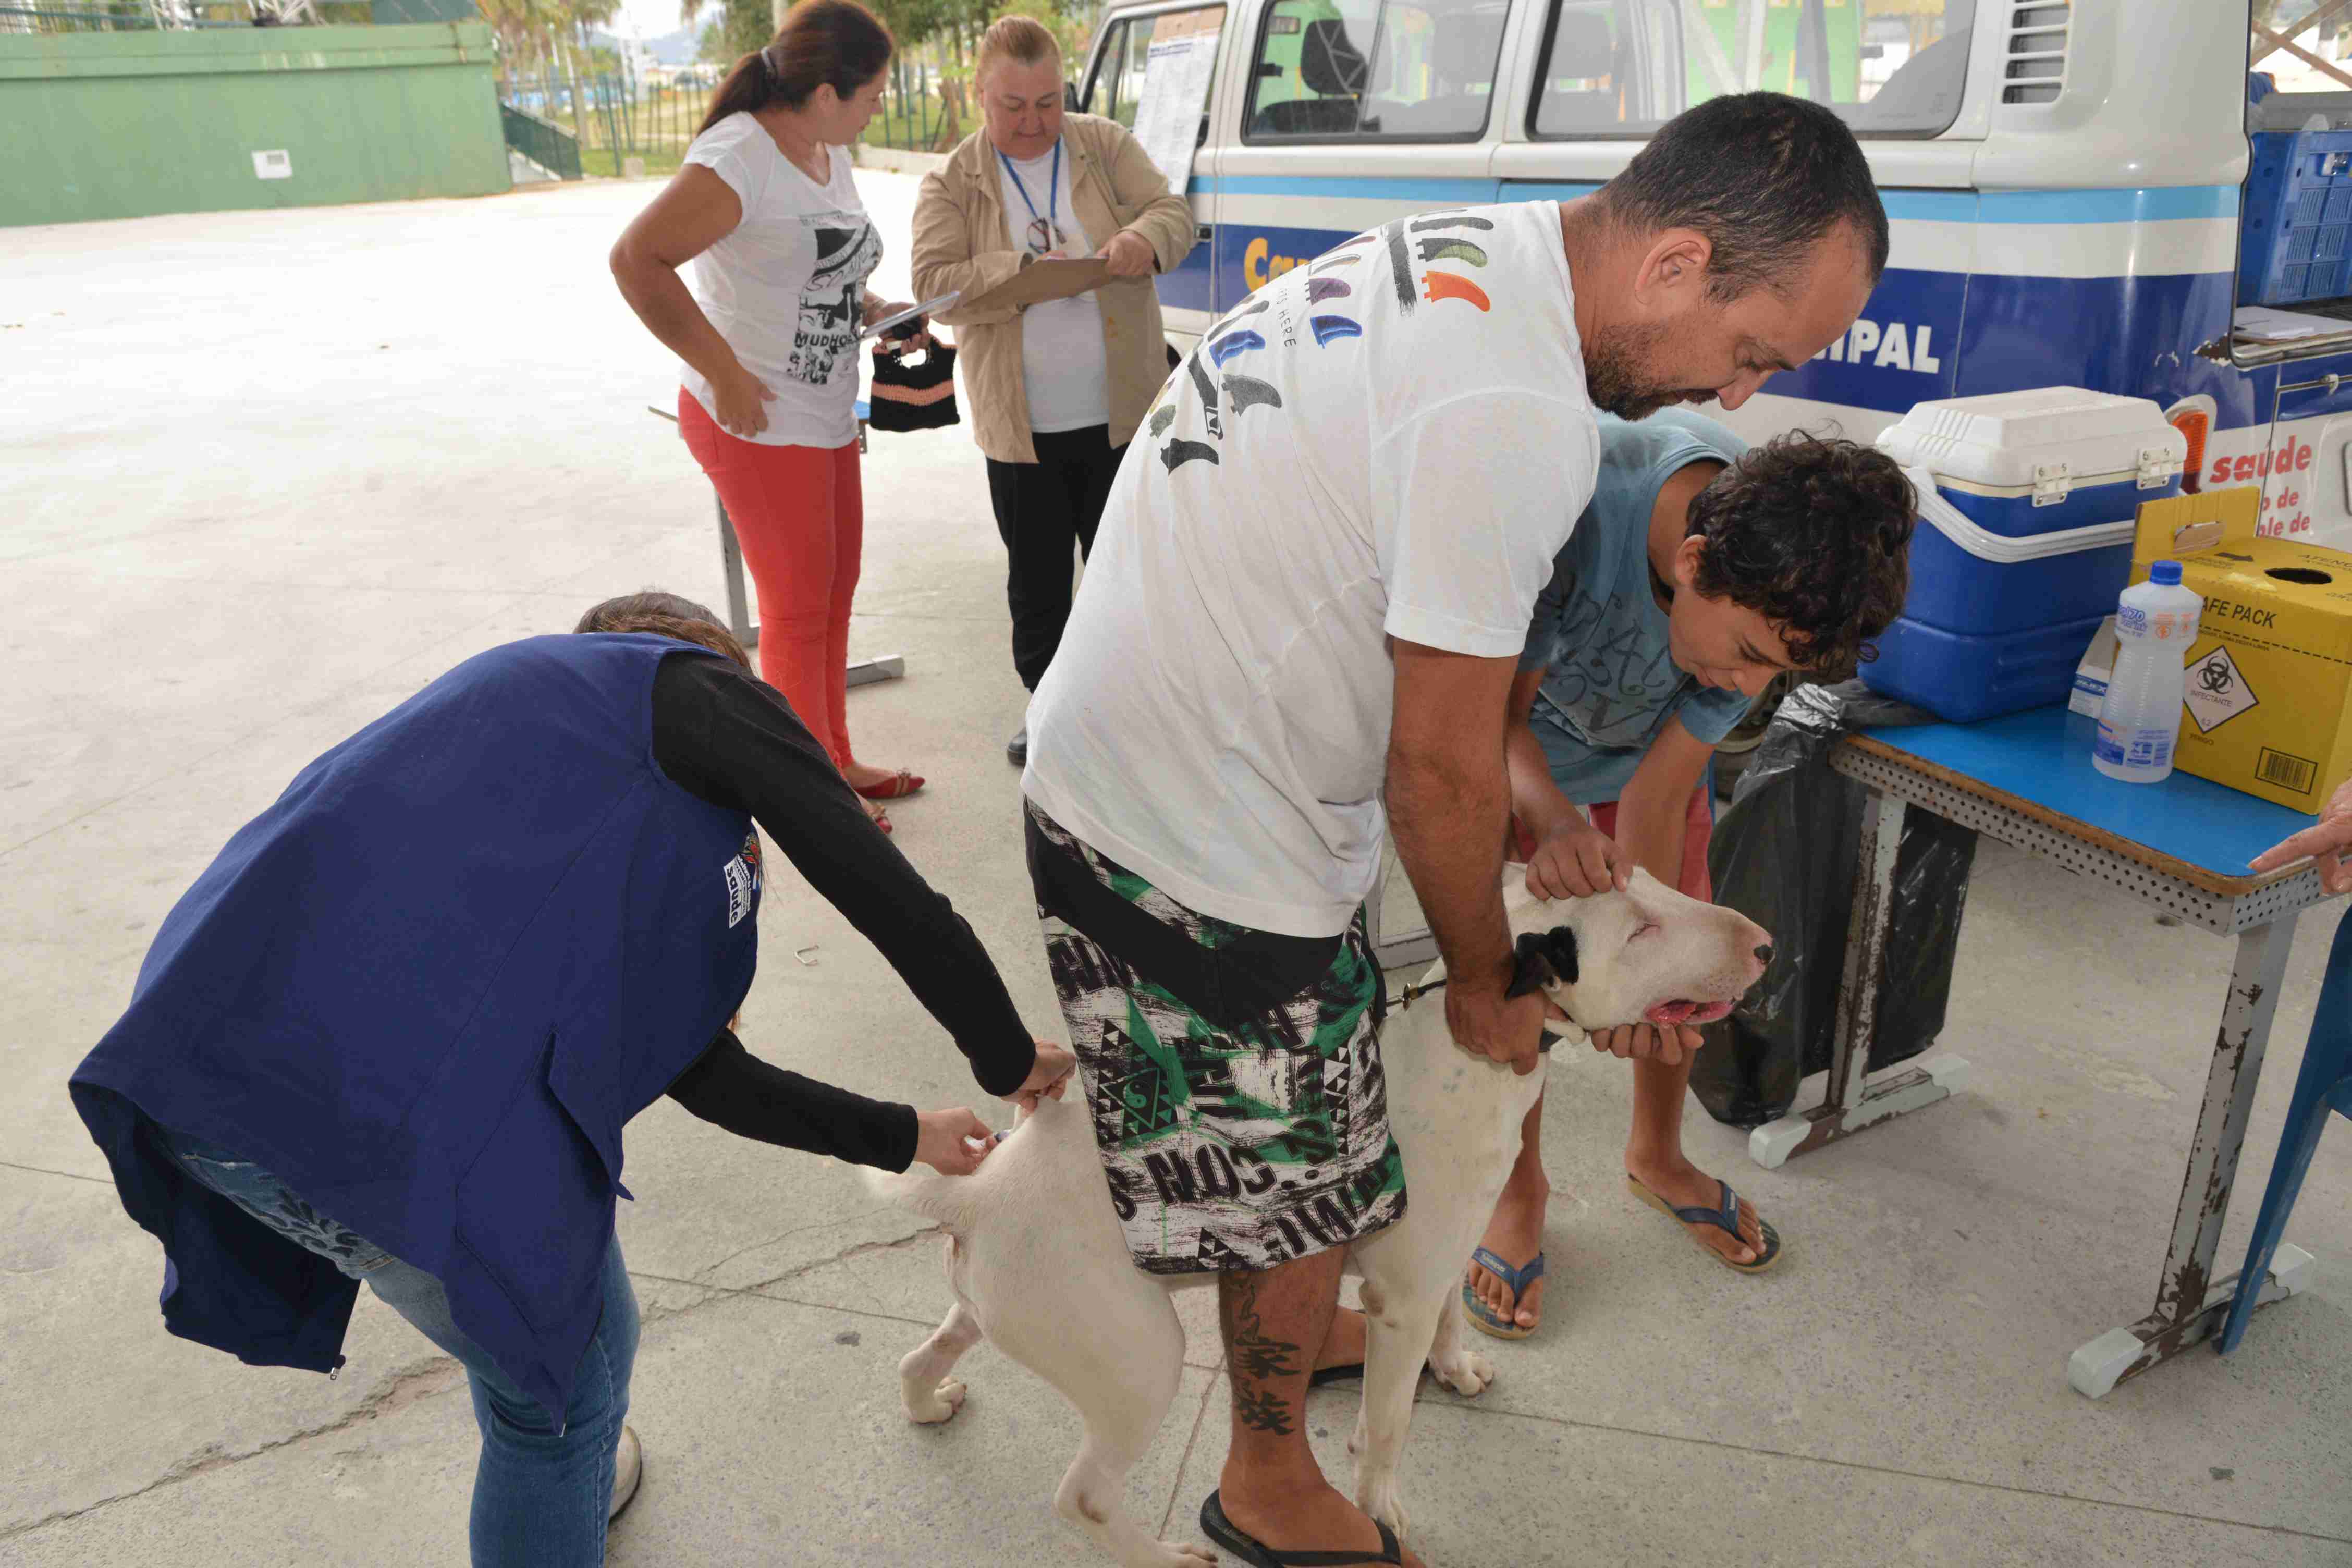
{"points": [[1606, 684], [848, 249], [1335, 312]]}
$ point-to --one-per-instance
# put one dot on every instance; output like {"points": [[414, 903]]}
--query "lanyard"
{"points": [[1053, 192]]}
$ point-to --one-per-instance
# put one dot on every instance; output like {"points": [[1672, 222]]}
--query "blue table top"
{"points": [[2043, 756]]}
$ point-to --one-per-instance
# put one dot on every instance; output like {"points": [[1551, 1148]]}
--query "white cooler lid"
{"points": [[2005, 443]]}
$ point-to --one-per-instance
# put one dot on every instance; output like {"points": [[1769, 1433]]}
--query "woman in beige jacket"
{"points": [[1057, 388]]}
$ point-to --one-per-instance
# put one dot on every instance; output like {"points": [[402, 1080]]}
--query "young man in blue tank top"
{"points": [[1701, 569]]}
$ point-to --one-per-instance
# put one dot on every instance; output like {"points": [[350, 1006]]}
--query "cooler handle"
{"points": [[1983, 543]]}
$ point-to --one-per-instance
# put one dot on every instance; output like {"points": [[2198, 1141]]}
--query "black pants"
{"points": [[1042, 507]]}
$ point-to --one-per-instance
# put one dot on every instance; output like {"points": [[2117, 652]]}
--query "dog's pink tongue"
{"points": [[1687, 1012]]}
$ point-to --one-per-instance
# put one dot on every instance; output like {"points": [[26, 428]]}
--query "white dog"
{"points": [[1036, 1261]]}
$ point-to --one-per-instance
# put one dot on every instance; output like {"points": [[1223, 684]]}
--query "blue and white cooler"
{"points": [[2028, 502]]}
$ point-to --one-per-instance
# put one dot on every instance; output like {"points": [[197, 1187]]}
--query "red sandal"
{"points": [[898, 786]]}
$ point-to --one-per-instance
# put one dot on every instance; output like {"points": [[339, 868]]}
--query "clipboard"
{"points": [[1048, 280], [939, 302]]}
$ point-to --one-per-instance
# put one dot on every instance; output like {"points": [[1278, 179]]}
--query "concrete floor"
{"points": [[266, 474]]}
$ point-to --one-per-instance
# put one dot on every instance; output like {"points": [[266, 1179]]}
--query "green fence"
{"points": [[614, 118], [110, 18], [124, 123], [548, 145], [136, 15]]}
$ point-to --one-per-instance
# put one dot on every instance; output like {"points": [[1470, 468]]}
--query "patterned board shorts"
{"points": [[1233, 1076]]}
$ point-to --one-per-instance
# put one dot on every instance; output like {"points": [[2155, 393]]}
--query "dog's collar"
{"points": [[1412, 993]]}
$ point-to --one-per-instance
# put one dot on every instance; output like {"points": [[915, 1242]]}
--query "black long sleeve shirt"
{"points": [[731, 740]]}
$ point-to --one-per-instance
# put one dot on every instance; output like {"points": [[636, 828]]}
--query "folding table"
{"points": [[2183, 846]]}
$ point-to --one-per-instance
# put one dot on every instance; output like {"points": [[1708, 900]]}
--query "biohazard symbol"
{"points": [[2215, 677]]}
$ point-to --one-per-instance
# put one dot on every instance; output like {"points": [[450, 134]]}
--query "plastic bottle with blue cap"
{"points": [[2141, 722]]}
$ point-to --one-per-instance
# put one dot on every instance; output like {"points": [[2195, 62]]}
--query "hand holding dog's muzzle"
{"points": [[1672, 1044]]}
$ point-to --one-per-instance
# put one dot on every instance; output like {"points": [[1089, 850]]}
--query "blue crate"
{"points": [[2296, 224]]}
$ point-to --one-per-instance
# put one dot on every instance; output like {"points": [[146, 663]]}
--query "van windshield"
{"points": [[1624, 67]]}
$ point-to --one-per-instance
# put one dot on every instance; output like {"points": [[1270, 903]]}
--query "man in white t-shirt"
{"points": [[1305, 604]]}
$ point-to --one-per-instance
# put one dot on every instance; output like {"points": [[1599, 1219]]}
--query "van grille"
{"points": [[2034, 69]]}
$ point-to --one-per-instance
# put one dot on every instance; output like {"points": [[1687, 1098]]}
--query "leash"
{"points": [[1531, 968], [1412, 993]]}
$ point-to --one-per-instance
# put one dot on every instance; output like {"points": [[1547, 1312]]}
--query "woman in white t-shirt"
{"points": [[1057, 390], [766, 209]]}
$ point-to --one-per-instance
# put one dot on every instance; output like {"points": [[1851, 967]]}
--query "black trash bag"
{"points": [[1783, 855]]}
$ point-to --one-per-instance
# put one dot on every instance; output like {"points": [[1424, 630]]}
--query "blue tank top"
{"points": [[425, 989]]}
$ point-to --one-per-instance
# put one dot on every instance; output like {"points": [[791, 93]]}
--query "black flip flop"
{"points": [[1346, 1370], [1256, 1553]]}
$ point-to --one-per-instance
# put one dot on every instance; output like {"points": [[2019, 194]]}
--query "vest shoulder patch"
{"points": [[742, 874]]}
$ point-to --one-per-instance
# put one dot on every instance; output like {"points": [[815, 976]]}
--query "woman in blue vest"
{"points": [[393, 1031]]}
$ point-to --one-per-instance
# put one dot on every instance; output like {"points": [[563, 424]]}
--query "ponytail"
{"points": [[835, 43]]}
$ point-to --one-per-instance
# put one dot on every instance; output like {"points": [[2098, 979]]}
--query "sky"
{"points": [[651, 18]]}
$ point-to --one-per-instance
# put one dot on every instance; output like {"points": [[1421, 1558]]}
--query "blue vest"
{"points": [[425, 989]]}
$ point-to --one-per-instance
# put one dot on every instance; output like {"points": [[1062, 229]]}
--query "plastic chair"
{"points": [[2323, 1086]]}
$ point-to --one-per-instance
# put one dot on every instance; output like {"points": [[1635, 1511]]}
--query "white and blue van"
{"points": [[2066, 181]]}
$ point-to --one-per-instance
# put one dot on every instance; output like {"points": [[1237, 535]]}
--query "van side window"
{"points": [[1374, 71], [1117, 85], [1121, 73], [1624, 67]]}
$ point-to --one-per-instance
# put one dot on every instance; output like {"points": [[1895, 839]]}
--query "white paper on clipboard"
{"points": [[940, 302], [1177, 71]]}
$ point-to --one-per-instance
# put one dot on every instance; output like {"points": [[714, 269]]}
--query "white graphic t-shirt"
{"points": [[785, 289], [1393, 441], [1062, 365]]}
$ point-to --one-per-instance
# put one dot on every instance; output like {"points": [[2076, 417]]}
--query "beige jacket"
{"points": [[962, 242]]}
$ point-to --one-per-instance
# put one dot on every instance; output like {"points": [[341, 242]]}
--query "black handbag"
{"points": [[917, 396]]}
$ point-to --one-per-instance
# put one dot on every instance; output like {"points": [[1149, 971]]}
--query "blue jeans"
{"points": [[540, 1496]]}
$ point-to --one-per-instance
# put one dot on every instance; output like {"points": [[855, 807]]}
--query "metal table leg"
{"points": [[865, 672], [2190, 1304], [1851, 1104], [730, 555]]}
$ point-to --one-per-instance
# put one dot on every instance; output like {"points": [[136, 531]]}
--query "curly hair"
{"points": [[665, 615], [1814, 535]]}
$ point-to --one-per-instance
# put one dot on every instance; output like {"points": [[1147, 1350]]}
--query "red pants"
{"points": [[800, 517]]}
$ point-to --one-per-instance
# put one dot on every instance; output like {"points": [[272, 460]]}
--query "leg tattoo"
{"points": [[1256, 1358]]}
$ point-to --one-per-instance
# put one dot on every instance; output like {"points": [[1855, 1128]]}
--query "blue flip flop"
{"points": [[1482, 1316], [1726, 1218]]}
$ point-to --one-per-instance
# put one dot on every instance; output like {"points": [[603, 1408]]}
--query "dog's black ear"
{"points": [[1540, 959], [1560, 948]]}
